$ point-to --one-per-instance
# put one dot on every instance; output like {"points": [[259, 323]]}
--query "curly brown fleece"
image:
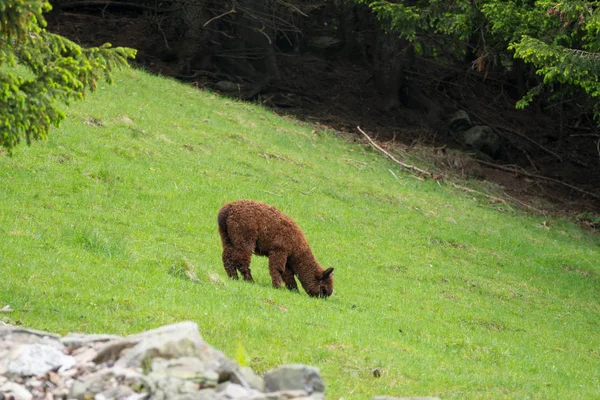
{"points": [[248, 227]]}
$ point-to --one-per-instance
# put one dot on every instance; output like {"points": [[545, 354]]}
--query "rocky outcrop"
{"points": [[480, 138], [172, 362]]}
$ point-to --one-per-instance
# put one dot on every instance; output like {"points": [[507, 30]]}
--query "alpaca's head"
{"points": [[324, 284]]}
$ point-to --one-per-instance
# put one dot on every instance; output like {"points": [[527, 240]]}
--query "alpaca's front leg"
{"points": [[236, 259], [277, 261], [288, 278]]}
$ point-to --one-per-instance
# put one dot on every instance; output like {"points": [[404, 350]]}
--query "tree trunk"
{"points": [[195, 37], [391, 57]]}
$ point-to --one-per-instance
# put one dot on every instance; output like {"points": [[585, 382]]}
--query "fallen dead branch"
{"points": [[422, 172], [494, 199], [394, 159], [536, 176], [527, 138]]}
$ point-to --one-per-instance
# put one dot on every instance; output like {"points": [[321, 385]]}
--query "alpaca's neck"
{"points": [[304, 257], [305, 266]]}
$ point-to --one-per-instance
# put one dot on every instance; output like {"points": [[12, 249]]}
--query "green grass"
{"points": [[110, 226]]}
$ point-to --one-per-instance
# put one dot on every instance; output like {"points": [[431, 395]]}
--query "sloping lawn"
{"points": [[104, 226]]}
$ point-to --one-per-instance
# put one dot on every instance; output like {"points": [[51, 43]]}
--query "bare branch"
{"points": [[394, 159], [536, 176], [293, 7], [427, 173], [530, 140], [232, 11]]}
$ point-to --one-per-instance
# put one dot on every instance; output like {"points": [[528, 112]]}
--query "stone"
{"points": [[246, 377], [78, 389], [459, 122], [185, 368], [294, 377], [138, 396], [23, 335], [168, 387], [483, 139], [287, 395], [112, 350], [37, 359], [76, 340], [206, 394], [169, 363], [325, 42], [11, 337], [112, 383], [232, 391], [15, 391], [226, 86], [165, 387], [174, 341], [84, 354]]}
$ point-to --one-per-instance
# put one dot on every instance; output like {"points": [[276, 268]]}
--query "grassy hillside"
{"points": [[103, 225]]}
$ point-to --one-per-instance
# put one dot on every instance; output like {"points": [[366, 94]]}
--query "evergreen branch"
{"points": [[62, 71]]}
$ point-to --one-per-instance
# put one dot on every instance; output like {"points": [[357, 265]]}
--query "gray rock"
{"points": [[325, 42], [15, 391], [112, 382], [287, 395], [77, 340], [23, 335], [246, 377], [112, 350], [78, 390], [206, 394], [37, 359], [186, 368], [138, 396], [11, 337], [169, 363], [84, 355], [459, 122], [483, 139], [232, 391], [294, 377], [168, 387], [174, 341], [226, 86]]}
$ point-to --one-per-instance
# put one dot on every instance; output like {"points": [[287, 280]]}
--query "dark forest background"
{"points": [[342, 64]]}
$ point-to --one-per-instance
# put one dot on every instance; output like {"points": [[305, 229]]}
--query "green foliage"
{"points": [[396, 17], [558, 64], [560, 40], [509, 20], [241, 355], [565, 54], [58, 71]]}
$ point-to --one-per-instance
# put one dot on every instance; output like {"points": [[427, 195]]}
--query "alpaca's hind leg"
{"points": [[236, 259], [290, 281], [229, 263], [245, 270], [277, 267]]}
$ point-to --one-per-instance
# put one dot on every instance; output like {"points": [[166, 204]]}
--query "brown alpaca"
{"points": [[248, 227]]}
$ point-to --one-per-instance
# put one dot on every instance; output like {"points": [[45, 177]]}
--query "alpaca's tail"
{"points": [[222, 218]]}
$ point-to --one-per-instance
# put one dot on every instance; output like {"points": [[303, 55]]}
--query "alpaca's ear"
{"points": [[326, 274]]}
